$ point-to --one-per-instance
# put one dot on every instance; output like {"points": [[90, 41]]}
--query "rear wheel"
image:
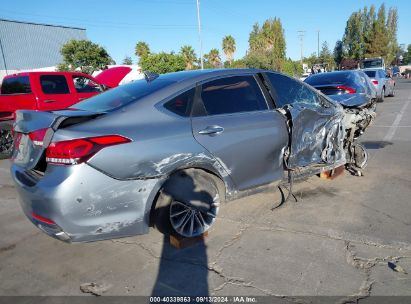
{"points": [[188, 203], [6, 143], [392, 92], [382, 95]]}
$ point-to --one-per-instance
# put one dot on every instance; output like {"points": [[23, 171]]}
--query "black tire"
{"points": [[6, 143], [393, 92], [188, 196], [382, 95]]}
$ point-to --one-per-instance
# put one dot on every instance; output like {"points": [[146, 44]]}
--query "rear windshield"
{"points": [[122, 95], [366, 64], [370, 73], [330, 78], [16, 85]]}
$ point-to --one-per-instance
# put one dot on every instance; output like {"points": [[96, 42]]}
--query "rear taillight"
{"points": [[37, 137], [375, 82], [348, 90], [75, 151]]}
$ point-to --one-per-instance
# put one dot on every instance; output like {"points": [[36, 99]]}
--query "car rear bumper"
{"points": [[84, 203]]}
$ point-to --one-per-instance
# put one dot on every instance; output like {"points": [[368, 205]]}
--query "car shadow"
{"points": [[373, 145], [183, 272]]}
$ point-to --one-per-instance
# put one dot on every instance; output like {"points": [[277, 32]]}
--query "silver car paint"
{"points": [[383, 82], [317, 135], [111, 195]]}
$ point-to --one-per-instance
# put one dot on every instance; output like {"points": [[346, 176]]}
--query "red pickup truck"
{"points": [[45, 91]]}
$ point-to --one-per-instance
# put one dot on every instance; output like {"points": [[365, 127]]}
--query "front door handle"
{"points": [[210, 130]]}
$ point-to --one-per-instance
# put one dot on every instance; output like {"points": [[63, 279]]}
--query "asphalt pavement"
{"points": [[337, 239]]}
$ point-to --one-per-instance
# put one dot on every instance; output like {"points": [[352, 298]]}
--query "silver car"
{"points": [[168, 150], [382, 81]]}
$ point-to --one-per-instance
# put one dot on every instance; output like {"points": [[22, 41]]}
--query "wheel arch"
{"points": [[224, 185]]}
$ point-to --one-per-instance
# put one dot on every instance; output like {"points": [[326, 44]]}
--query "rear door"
{"points": [[54, 91], [317, 132], [234, 122]]}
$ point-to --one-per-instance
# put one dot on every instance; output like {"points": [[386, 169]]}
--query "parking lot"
{"points": [[336, 239]]}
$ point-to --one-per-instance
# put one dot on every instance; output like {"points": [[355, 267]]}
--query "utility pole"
{"points": [[318, 44], [199, 34], [301, 36]]}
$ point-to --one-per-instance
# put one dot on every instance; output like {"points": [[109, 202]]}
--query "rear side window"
{"points": [[286, 90], [54, 84], [232, 95], [370, 74], [16, 85], [85, 85], [181, 105]]}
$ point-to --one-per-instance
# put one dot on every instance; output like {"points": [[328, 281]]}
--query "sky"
{"points": [[166, 25]]}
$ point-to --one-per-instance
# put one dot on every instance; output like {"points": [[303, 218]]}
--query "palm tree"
{"points": [[142, 49], [189, 56], [213, 57], [229, 48]]}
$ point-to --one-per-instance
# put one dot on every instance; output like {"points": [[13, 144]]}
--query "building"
{"points": [[32, 46]]}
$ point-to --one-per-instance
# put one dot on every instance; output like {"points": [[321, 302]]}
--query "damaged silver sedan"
{"points": [[168, 150]]}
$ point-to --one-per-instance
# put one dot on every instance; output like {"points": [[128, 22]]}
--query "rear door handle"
{"points": [[49, 100], [210, 130]]}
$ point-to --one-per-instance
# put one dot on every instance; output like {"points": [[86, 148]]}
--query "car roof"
{"points": [[199, 75]]}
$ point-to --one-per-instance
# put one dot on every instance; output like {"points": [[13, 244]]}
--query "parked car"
{"points": [[355, 92], [168, 151], [382, 81], [44, 91], [350, 88]]}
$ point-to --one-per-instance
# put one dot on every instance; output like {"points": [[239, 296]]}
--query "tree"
{"points": [[229, 48], [189, 56], [326, 56], [293, 68], [392, 23], [379, 40], [353, 39], [407, 55], [267, 45], [338, 53], [239, 64], [85, 56], [142, 49], [213, 58], [311, 60], [368, 34], [162, 62], [368, 31], [127, 60]]}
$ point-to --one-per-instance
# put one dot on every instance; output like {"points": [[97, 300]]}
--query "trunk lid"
{"points": [[28, 153], [112, 76]]}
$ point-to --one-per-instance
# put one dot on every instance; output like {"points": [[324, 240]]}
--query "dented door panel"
{"points": [[317, 135]]}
